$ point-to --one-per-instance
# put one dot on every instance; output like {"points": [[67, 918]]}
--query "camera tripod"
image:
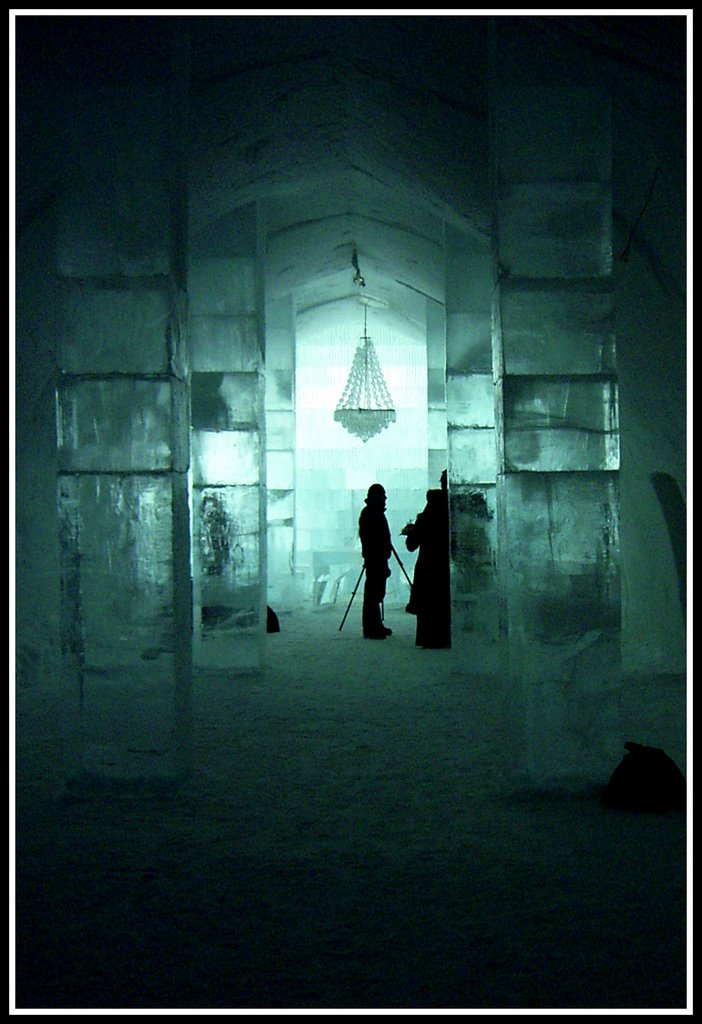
{"points": [[358, 583]]}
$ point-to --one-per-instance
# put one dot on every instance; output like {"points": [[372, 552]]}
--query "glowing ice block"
{"points": [[227, 525], [225, 456], [280, 469], [472, 455], [227, 576], [126, 559], [224, 401], [436, 431], [436, 388], [279, 389], [280, 506], [563, 577], [224, 342], [470, 401], [561, 425], [280, 347], [280, 430]]}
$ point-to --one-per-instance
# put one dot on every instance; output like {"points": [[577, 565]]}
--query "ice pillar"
{"points": [[280, 449], [436, 391], [228, 463], [122, 434], [556, 409], [472, 455]]}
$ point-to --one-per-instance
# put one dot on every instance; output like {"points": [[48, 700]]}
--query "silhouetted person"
{"points": [[376, 547], [431, 589]]}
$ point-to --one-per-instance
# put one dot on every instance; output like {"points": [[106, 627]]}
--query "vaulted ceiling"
{"points": [[353, 135], [365, 133]]}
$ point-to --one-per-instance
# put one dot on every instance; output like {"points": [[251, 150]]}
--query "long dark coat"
{"points": [[431, 588]]}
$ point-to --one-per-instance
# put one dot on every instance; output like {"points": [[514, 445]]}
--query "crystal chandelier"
{"points": [[365, 408]]}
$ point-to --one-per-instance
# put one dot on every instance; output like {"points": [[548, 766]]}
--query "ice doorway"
{"points": [[444, 420], [334, 468]]}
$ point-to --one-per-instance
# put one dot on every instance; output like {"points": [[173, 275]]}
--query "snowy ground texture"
{"points": [[350, 840]]}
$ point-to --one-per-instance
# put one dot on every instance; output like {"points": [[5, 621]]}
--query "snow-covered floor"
{"points": [[350, 839]]}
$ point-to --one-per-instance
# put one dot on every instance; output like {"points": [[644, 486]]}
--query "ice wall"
{"points": [[284, 589], [558, 430], [472, 447], [228, 448], [122, 435]]}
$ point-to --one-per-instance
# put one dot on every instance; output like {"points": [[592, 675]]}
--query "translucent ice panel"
{"points": [[115, 228], [556, 229], [227, 524], [280, 431], [473, 538], [322, 502], [436, 388], [563, 552], [225, 457], [469, 342], [224, 401], [227, 583], [436, 433], [114, 329], [280, 470], [117, 424], [550, 330], [472, 455], [125, 542], [554, 424], [280, 506], [280, 548], [280, 555], [470, 400], [224, 342], [222, 286], [280, 348], [436, 462], [319, 471], [436, 335], [279, 389]]}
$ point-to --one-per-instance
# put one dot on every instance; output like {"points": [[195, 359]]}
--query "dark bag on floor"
{"points": [[646, 779]]}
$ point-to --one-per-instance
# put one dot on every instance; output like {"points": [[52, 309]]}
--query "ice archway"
{"points": [[203, 244]]}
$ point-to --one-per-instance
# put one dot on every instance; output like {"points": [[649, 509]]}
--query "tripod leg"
{"points": [[358, 583], [402, 567]]}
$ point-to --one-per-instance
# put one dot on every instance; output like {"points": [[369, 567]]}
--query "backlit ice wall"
{"points": [[334, 469], [472, 451], [228, 453]]}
